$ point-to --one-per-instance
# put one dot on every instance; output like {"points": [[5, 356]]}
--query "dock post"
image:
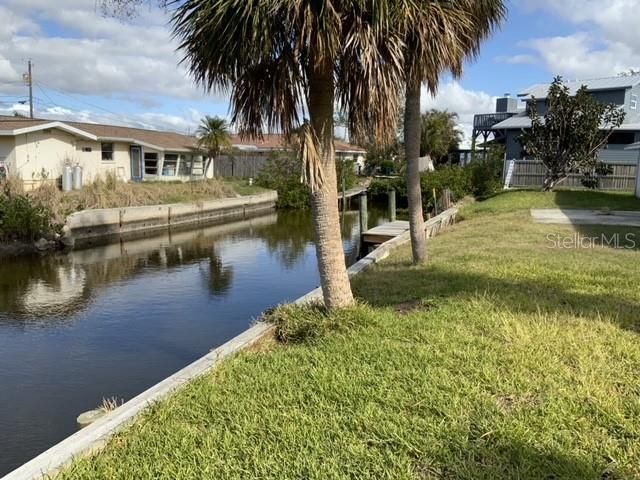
{"points": [[392, 205], [364, 214]]}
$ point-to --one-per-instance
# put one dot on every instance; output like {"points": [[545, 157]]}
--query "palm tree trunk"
{"points": [[334, 280], [412, 153]]}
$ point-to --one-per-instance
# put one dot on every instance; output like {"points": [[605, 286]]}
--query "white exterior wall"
{"points": [[43, 154], [7, 153], [93, 166]]}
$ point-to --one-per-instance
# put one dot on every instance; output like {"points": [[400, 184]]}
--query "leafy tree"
{"points": [[279, 59], [439, 36], [570, 134], [439, 134], [214, 135]]}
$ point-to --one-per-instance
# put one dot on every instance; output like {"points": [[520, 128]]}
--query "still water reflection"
{"points": [[111, 321]]}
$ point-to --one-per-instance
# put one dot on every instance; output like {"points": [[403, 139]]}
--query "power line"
{"points": [[77, 99]]}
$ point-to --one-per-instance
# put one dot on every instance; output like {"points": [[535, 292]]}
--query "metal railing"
{"points": [[488, 120]]}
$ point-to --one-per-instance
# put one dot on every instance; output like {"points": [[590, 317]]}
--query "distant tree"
{"points": [[214, 136], [567, 138], [439, 134]]}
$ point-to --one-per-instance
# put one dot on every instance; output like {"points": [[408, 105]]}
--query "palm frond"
{"points": [[312, 172]]}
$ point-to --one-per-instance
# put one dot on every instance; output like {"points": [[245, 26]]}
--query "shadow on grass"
{"points": [[494, 456], [404, 283]]}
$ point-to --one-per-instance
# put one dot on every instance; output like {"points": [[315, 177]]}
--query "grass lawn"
{"points": [[503, 358]]}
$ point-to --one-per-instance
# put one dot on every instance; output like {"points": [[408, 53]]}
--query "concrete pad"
{"points": [[586, 217]]}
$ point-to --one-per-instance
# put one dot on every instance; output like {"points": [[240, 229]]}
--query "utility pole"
{"points": [[28, 78]]}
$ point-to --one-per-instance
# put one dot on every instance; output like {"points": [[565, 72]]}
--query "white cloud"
{"points": [[517, 59], [85, 53], [577, 56], [466, 103], [186, 123], [607, 44]]}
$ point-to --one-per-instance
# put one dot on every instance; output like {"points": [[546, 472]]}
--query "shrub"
{"points": [[22, 217], [282, 173], [456, 179], [380, 186], [349, 169], [486, 174]]}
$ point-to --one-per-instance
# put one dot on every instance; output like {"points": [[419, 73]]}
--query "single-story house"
{"points": [[36, 150], [249, 156]]}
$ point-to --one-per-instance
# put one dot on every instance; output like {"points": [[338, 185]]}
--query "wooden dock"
{"points": [[382, 233]]}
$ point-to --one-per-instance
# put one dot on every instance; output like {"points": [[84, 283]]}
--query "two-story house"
{"points": [[510, 119]]}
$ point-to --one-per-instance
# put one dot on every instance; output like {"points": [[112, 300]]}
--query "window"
{"points": [[621, 138], [87, 149], [633, 103], [185, 165], [107, 152], [150, 163], [170, 164]]}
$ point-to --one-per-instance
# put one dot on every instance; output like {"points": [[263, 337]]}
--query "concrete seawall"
{"points": [[88, 225]]}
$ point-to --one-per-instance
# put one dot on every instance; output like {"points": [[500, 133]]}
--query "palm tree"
{"points": [[282, 58], [439, 133], [439, 36], [214, 136]]}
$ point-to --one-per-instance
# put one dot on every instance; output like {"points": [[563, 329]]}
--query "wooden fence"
{"points": [[244, 165], [531, 173]]}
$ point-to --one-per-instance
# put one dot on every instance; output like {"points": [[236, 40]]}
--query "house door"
{"points": [[136, 163]]}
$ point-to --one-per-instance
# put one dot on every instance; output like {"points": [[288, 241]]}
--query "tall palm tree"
{"points": [[281, 58], [439, 36], [213, 135]]}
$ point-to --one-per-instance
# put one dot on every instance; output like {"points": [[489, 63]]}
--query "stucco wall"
{"points": [[43, 154], [7, 152]]}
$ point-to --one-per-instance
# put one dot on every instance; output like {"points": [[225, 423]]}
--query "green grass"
{"points": [[503, 358], [241, 186]]}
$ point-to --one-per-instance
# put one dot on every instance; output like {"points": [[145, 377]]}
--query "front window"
{"points": [[170, 165], [150, 163], [107, 152], [633, 104], [185, 166]]}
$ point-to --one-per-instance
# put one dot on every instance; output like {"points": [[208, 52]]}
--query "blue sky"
{"points": [[92, 68]]}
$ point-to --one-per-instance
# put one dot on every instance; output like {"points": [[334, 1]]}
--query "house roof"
{"points": [[277, 142], [540, 90], [155, 139], [517, 121], [523, 121]]}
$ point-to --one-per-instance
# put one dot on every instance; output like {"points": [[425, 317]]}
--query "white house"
{"points": [[36, 149]]}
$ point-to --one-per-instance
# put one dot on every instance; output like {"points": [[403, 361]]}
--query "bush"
{"points": [[486, 175], [23, 218], [380, 186], [282, 173], [456, 179], [349, 169]]}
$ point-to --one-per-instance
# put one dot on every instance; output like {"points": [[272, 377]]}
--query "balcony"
{"points": [[487, 120]]}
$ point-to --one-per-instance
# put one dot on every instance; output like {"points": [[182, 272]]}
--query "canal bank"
{"points": [[95, 436], [88, 227]]}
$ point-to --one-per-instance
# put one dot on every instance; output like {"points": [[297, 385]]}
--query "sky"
{"points": [[88, 67]]}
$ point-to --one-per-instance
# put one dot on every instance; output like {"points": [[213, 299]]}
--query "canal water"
{"points": [[113, 320]]}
